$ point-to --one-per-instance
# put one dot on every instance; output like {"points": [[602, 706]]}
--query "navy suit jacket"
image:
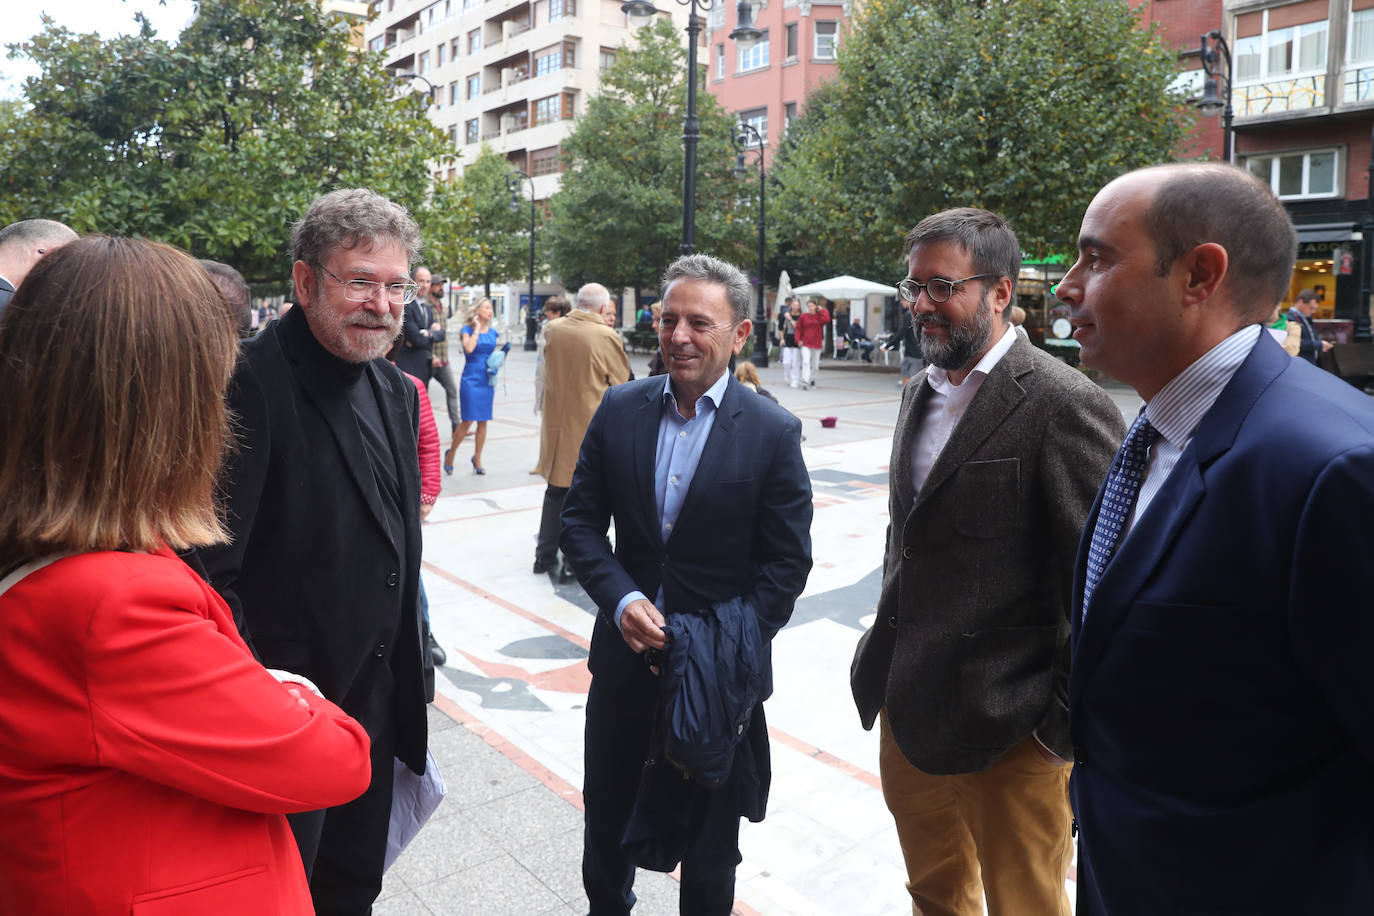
{"points": [[1221, 697], [744, 530]]}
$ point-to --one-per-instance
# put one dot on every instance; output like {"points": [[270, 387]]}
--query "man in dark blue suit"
{"points": [[711, 501], [1220, 692]]}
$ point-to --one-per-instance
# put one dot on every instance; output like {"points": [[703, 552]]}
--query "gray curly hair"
{"points": [[351, 217]]}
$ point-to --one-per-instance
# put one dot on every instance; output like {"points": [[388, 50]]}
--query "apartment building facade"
{"points": [[766, 85]]}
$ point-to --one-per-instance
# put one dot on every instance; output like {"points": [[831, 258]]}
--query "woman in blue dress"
{"points": [[475, 391]]}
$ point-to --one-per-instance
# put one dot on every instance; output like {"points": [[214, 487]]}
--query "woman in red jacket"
{"points": [[811, 336], [146, 758]]}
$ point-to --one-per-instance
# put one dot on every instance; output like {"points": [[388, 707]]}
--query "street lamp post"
{"points": [[743, 137], [1212, 42], [640, 13], [513, 186], [415, 80]]}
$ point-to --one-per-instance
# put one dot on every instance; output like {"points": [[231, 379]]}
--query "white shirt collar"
{"points": [[1180, 405]]}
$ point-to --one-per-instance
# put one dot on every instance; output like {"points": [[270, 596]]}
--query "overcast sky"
{"points": [[107, 17]]}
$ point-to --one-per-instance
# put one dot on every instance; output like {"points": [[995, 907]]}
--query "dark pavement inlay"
{"points": [[842, 605], [497, 692]]}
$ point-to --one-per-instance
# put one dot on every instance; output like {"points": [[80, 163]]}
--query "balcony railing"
{"points": [[1277, 96], [1357, 84]]}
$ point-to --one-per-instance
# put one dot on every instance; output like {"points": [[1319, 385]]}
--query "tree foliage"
{"points": [[617, 219], [216, 142], [1023, 107], [492, 244]]}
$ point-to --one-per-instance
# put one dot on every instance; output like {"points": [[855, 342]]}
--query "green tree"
{"points": [[497, 238], [1023, 107], [215, 143], [617, 217]]}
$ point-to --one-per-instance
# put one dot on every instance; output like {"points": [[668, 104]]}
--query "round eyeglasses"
{"points": [[364, 290], [937, 288]]}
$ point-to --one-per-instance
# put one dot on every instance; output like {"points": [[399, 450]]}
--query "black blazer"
{"points": [[416, 349], [312, 573]]}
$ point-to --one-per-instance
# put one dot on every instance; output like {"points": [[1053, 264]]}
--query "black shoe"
{"points": [[437, 652], [540, 567]]}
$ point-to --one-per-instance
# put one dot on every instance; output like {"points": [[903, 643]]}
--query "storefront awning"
{"points": [[1326, 232]]}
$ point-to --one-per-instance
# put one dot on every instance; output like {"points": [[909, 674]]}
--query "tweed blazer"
{"points": [[970, 649]]}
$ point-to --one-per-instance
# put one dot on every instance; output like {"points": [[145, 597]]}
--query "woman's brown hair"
{"points": [[114, 358]]}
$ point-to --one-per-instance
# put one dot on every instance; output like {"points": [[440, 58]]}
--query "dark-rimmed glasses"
{"points": [[364, 290], [937, 288]]}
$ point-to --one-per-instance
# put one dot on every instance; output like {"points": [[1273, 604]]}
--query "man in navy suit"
{"points": [[1220, 691], [711, 501]]}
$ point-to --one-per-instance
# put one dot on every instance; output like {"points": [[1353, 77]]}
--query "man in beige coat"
{"points": [[582, 358]]}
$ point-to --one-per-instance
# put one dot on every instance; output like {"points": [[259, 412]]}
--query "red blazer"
{"points": [[146, 759], [811, 328]]}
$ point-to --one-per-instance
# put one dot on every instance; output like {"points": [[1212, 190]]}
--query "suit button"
{"points": [[380, 650], [1080, 759], [908, 553], [393, 579], [892, 621]]}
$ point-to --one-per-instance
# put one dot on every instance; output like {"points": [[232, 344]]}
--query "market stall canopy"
{"points": [[845, 287]]}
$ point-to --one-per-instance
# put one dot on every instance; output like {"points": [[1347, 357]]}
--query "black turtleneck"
{"points": [[354, 382]]}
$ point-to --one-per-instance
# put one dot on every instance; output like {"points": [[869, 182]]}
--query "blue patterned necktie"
{"points": [[1123, 486]]}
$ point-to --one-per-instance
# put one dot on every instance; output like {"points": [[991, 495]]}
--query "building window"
{"points": [[789, 41], [469, 4], [453, 47], [553, 108], [789, 114], [474, 85], [545, 161], [453, 93], [560, 9], [377, 44], [754, 58], [825, 40], [453, 135], [424, 62], [1283, 42], [756, 118], [1294, 176], [439, 56], [607, 59], [474, 41], [557, 57], [1361, 49], [720, 61], [470, 131]]}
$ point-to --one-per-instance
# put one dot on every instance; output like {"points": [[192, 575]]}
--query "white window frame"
{"points": [[720, 61], [1338, 172], [1262, 44], [832, 42], [753, 58]]}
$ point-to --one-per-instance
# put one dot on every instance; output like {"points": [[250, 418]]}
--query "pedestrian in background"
{"points": [[998, 451], [788, 344], [476, 390], [441, 370], [1312, 345], [146, 758], [555, 307], [582, 358], [22, 244], [420, 328], [236, 294], [811, 335]]}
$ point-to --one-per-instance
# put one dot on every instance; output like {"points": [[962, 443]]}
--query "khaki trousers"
{"points": [[1003, 833]]}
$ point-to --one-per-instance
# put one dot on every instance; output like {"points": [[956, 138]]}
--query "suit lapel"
{"points": [[899, 472], [407, 462], [996, 399], [644, 435], [1151, 535]]}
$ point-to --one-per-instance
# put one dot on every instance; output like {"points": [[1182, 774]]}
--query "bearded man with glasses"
{"points": [[996, 459], [323, 502]]}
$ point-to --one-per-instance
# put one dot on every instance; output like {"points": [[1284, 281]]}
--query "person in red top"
{"points": [[430, 484], [811, 336], [147, 759]]}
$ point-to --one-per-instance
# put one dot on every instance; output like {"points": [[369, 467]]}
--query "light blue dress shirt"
{"points": [[680, 444]]}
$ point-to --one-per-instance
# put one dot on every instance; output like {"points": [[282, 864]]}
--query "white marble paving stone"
{"points": [[789, 844]]}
